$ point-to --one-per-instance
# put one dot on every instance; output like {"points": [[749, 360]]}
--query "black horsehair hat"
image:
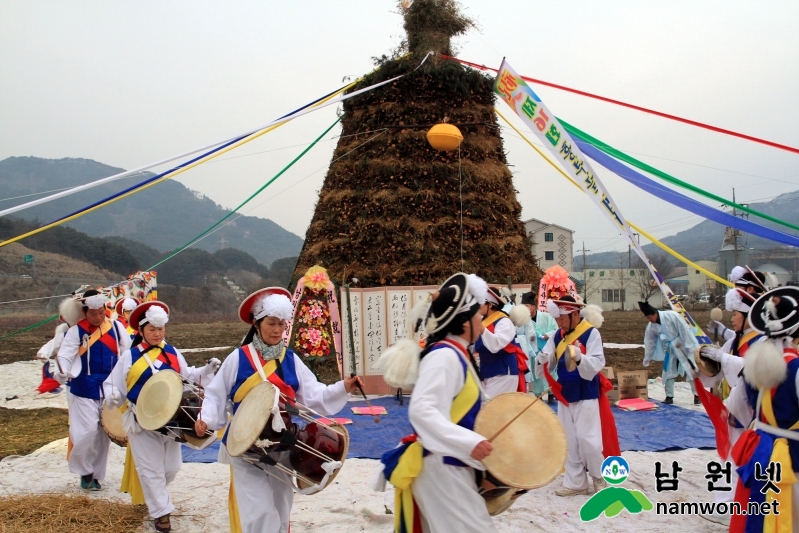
{"points": [[776, 313], [647, 309]]}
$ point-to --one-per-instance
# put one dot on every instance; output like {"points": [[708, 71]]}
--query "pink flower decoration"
{"points": [[318, 276], [314, 336], [316, 311]]}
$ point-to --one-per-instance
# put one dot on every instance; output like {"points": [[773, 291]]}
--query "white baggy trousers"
{"points": [[583, 429], [90, 442], [264, 502], [158, 459]]}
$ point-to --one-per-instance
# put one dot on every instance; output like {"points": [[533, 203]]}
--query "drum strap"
{"points": [[263, 372], [141, 364]]}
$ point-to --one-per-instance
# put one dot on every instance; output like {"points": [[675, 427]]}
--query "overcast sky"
{"points": [[129, 83]]}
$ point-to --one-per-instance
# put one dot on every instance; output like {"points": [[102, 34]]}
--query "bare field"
{"points": [[621, 327]]}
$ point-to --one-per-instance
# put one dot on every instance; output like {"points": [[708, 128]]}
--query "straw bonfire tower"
{"points": [[389, 212]]}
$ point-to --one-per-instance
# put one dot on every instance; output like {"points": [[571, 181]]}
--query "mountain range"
{"points": [[704, 240], [163, 217]]}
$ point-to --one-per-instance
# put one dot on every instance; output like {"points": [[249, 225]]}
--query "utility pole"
{"points": [[585, 280]]}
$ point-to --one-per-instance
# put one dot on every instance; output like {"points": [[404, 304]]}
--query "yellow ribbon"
{"points": [[130, 479], [233, 507], [783, 522], [490, 319], [407, 469]]}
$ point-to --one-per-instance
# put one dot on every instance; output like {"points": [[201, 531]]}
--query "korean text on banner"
{"points": [[511, 88]]}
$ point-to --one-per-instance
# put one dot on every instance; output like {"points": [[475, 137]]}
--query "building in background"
{"points": [[552, 244], [699, 283], [617, 289], [783, 275]]}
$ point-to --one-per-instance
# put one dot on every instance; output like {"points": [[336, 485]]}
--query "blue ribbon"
{"points": [[689, 204], [762, 455]]}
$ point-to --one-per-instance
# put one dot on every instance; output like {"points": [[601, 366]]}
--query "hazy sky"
{"points": [[129, 83]]}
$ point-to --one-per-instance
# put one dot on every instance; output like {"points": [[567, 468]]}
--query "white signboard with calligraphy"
{"points": [[374, 327], [357, 325], [399, 311]]}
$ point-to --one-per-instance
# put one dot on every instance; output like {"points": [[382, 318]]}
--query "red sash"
{"points": [[521, 360], [272, 376]]}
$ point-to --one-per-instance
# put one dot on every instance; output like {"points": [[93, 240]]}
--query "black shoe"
{"points": [[669, 400], [696, 400]]}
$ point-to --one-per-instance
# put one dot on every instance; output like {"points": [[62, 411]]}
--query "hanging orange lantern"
{"points": [[444, 137]]}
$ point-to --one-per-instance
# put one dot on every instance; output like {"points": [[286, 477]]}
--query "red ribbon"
{"points": [[555, 387], [718, 414]]}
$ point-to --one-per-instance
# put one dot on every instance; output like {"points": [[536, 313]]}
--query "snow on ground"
{"points": [[200, 495], [21, 379], [200, 490]]}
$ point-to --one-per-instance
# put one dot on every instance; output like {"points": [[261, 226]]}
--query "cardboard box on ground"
{"points": [[627, 385]]}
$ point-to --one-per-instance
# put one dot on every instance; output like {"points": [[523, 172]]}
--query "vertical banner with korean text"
{"points": [[515, 92]]}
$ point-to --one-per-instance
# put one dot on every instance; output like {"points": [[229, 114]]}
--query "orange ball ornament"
{"points": [[444, 137]]}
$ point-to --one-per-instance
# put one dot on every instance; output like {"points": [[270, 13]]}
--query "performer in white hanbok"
{"points": [[69, 312], [155, 456], [765, 399], [87, 355], [668, 339], [730, 356], [434, 469], [577, 389], [532, 337], [503, 363], [260, 502]]}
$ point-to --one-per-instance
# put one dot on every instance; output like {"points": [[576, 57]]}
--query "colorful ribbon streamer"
{"points": [[618, 154], [689, 204], [654, 241], [639, 108]]}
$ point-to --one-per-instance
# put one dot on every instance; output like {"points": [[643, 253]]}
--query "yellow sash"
{"points": [[130, 479], [138, 368], [566, 341], [493, 317], [255, 379], [104, 328], [783, 522], [233, 506]]}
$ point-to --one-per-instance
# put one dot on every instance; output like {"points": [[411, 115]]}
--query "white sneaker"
{"points": [[571, 492], [599, 483]]}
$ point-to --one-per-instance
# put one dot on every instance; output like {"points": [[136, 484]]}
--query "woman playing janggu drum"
{"points": [[156, 455], [261, 501]]}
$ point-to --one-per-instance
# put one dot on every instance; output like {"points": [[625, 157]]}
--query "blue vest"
{"points": [[469, 418], [501, 363], [285, 370], [136, 354], [785, 405], [96, 364], [575, 388]]}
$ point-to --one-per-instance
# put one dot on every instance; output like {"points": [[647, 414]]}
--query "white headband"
{"points": [[96, 301], [155, 316], [276, 305]]}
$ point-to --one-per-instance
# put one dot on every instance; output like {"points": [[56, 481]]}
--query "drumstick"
{"points": [[520, 413], [368, 404]]}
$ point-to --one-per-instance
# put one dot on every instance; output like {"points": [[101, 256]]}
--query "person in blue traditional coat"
{"points": [[579, 388], [87, 355], [532, 337], [503, 363], [155, 455], [434, 469], [768, 391], [668, 339], [261, 500]]}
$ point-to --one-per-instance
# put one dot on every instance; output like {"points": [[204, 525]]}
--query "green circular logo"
{"points": [[615, 470]]}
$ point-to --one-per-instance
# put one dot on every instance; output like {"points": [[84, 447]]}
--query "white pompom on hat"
{"points": [[271, 301], [70, 311], [96, 301], [153, 312]]}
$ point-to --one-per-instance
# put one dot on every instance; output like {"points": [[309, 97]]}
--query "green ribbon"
{"points": [[621, 156], [36, 325], [253, 195]]}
